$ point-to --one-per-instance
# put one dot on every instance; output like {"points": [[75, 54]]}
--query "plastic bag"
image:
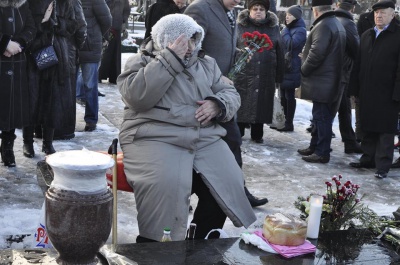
{"points": [[40, 239], [278, 116], [222, 233]]}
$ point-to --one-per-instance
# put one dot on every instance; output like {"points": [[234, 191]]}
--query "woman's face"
{"points": [[289, 18], [258, 12]]}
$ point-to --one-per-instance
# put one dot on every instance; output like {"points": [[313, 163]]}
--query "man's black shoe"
{"points": [[287, 128], [361, 165], [254, 201], [258, 141], [90, 127], [101, 94], [353, 149], [306, 152], [314, 158], [380, 174], [81, 102]]}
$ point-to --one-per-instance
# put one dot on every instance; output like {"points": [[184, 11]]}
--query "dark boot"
{"points": [[254, 201], [48, 134], [27, 134], [6, 147], [38, 131]]}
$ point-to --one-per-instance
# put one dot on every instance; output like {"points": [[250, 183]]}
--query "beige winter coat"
{"points": [[162, 141]]}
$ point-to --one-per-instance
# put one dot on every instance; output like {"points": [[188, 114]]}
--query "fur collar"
{"points": [[244, 19], [12, 3]]}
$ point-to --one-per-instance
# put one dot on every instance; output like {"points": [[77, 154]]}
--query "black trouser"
{"points": [[207, 216], [377, 149], [288, 102], [256, 130], [345, 116]]}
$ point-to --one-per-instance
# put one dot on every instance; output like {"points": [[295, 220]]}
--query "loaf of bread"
{"points": [[284, 229]]}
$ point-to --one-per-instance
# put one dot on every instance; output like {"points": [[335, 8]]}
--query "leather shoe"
{"points": [[254, 201], [380, 174], [28, 150], [361, 165], [258, 141], [314, 158], [90, 127], [287, 128], [101, 94], [306, 152], [396, 163], [353, 149]]}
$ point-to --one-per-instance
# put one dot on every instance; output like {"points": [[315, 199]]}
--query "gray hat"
{"points": [[295, 11], [383, 5]]}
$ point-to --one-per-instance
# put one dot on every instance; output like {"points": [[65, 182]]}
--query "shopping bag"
{"points": [[40, 239], [278, 116]]}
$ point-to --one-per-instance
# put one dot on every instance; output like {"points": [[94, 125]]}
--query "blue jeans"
{"points": [[321, 136], [87, 88]]}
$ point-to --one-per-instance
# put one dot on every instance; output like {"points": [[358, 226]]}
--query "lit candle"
{"points": [[314, 218]]}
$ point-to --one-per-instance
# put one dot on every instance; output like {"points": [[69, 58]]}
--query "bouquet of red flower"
{"points": [[341, 208], [254, 42]]}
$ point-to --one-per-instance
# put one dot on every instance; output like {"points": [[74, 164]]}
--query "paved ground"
{"points": [[273, 169]]}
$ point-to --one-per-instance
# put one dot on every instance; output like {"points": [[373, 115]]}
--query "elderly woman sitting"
{"points": [[174, 96]]}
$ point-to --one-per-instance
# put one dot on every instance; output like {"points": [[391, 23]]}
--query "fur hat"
{"points": [[383, 5], [321, 2], [252, 3], [295, 11], [170, 27]]}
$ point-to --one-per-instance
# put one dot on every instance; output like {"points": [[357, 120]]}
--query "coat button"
{"points": [[258, 76], [9, 72], [10, 19], [258, 62], [257, 90]]}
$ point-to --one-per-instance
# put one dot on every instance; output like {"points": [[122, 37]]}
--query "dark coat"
{"points": [[98, 19], [256, 83], [352, 42], [377, 79], [158, 10], [110, 66], [322, 60], [296, 34], [219, 37], [16, 24], [51, 90], [365, 22], [120, 11]]}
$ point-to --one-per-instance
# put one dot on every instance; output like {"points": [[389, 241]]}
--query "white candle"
{"points": [[314, 218]]}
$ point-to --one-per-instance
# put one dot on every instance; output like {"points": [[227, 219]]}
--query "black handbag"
{"points": [[45, 57], [288, 58]]}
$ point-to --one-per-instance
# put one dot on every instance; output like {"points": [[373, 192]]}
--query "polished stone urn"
{"points": [[78, 205]]}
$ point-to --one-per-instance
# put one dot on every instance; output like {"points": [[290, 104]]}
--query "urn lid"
{"points": [[80, 160]]}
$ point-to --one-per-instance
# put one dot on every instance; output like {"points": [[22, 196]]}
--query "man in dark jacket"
{"points": [[345, 16], [98, 19], [321, 76], [377, 84]]}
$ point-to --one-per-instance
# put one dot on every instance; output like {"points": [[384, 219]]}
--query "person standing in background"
{"points": [[55, 106], [321, 73], [256, 82], [158, 10], [17, 31], [294, 36], [376, 83], [217, 18], [98, 18], [345, 16], [110, 66]]}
